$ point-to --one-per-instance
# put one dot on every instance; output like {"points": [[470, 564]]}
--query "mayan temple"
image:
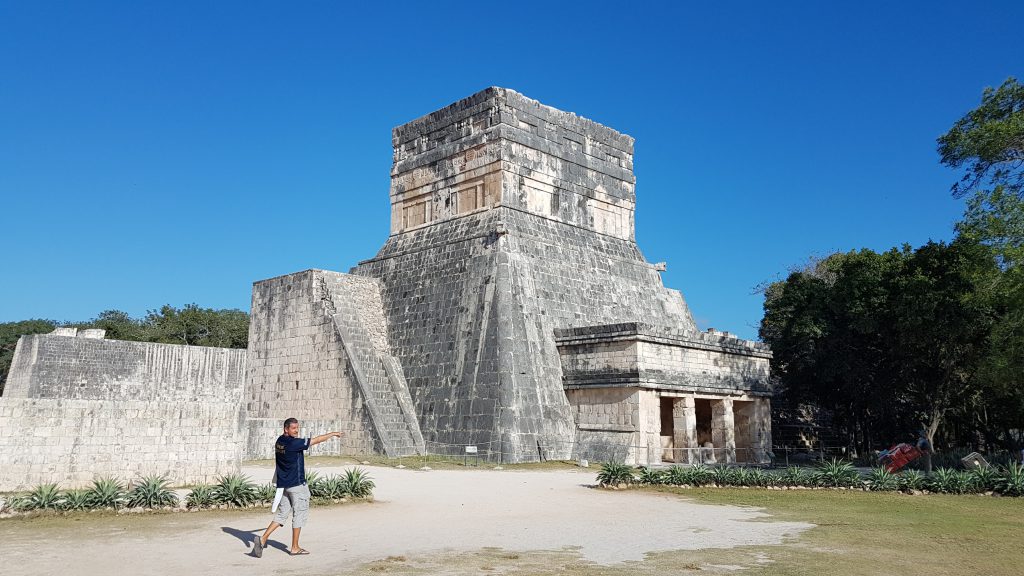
{"points": [[510, 310]]}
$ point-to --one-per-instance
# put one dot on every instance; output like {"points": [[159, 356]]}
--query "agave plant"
{"points": [[699, 475], [949, 481], [984, 479], [677, 476], [1011, 481], [880, 479], [797, 476], [724, 476], [201, 496], [358, 484], [151, 492], [912, 479], [42, 497], [106, 493], [837, 473], [235, 490], [760, 478], [315, 483], [653, 477], [615, 473], [266, 493], [73, 500]]}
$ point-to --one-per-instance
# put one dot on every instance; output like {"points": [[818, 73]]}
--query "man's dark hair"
{"points": [[290, 421]]}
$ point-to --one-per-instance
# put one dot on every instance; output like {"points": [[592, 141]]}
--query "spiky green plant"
{"points": [[266, 493], [358, 484], [677, 476], [881, 480], [949, 481], [760, 478], [1011, 480], [42, 497], [74, 500], [235, 490], [724, 476], [107, 493], [912, 479], [614, 473], [201, 496], [699, 475], [797, 476], [837, 473], [652, 477], [314, 481], [151, 492], [984, 479]]}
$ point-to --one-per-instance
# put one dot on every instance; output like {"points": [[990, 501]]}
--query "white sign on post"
{"points": [[470, 449]]}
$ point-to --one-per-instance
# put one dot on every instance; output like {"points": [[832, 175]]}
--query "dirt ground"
{"points": [[416, 514]]}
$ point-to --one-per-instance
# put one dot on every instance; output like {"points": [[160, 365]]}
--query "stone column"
{"points": [[684, 424], [763, 429], [723, 431]]}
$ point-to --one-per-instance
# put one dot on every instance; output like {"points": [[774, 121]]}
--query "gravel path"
{"points": [[415, 513]]}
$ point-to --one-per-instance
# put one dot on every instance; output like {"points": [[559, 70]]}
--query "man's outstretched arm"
{"points": [[318, 439]]}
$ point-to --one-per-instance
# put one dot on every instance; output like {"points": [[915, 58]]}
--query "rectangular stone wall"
{"points": [[498, 147], [71, 442], [298, 368], [82, 407], [608, 422]]}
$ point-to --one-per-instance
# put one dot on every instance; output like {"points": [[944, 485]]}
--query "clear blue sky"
{"points": [[175, 152]]}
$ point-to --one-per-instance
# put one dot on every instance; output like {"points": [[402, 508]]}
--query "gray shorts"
{"points": [[294, 503]]}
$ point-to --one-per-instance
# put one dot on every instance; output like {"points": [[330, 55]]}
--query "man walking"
{"points": [[291, 477]]}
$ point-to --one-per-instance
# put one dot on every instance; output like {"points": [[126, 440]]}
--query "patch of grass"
{"points": [[869, 533]]}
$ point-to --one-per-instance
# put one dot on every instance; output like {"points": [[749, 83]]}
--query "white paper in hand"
{"points": [[277, 500]]}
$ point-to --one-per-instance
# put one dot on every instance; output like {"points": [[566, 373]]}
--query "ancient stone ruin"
{"points": [[509, 310]]}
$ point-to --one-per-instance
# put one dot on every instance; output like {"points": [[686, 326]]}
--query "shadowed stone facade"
{"points": [[510, 309]]}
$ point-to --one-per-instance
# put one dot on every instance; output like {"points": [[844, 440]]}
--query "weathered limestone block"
{"points": [[684, 424], [723, 434], [107, 407]]}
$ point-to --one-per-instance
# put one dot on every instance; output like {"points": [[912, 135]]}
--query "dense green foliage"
{"points": [[151, 492], [190, 325], [836, 474], [929, 337]]}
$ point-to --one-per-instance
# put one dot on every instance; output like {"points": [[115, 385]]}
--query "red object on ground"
{"points": [[899, 456]]}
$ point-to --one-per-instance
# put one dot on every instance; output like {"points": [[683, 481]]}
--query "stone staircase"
{"points": [[378, 374]]}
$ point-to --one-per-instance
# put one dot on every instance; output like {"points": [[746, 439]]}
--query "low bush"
{"points": [[912, 480], [1011, 480], [235, 490], [358, 484], [797, 476], [266, 493], [201, 496], [653, 477], [615, 473], [75, 500], [106, 493], [949, 481], [151, 492], [984, 479], [881, 480], [42, 497], [837, 473]]}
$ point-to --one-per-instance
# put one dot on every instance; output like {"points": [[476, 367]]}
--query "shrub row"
{"points": [[154, 492], [1008, 481]]}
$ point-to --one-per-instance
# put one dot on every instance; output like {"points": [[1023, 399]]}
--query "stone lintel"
{"points": [[641, 332]]}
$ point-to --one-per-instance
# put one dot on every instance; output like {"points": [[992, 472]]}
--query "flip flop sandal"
{"points": [[257, 547], [302, 551]]}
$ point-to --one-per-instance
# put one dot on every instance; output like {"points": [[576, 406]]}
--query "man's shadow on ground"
{"points": [[248, 536]]}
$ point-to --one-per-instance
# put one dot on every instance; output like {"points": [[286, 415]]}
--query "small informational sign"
{"points": [[470, 449]]}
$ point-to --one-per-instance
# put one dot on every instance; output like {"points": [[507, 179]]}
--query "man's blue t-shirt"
{"points": [[291, 465]]}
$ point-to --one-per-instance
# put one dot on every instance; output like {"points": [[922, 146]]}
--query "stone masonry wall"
{"points": [[76, 408], [298, 368]]}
